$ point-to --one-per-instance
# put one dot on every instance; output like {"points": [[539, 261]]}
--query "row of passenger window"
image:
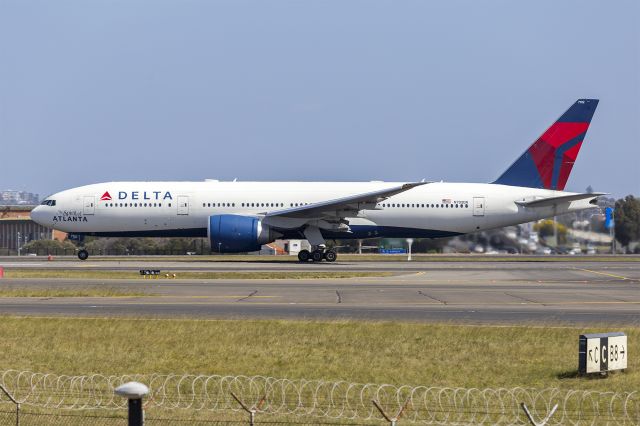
{"points": [[426, 206], [135, 205], [253, 204], [405, 205]]}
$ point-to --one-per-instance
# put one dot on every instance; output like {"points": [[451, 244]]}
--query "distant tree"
{"points": [[597, 224], [181, 245], [627, 220], [545, 230], [141, 246], [48, 246]]}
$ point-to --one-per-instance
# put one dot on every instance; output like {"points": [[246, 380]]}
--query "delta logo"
{"points": [[139, 195]]}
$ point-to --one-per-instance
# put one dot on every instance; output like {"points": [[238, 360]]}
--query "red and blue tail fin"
{"points": [[548, 162]]}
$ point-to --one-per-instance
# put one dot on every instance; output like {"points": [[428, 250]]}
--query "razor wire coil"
{"points": [[325, 399]]}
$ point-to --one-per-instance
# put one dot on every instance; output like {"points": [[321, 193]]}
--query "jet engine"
{"points": [[232, 233]]}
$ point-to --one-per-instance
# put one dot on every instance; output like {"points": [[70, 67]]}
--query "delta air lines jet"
{"points": [[241, 216]]}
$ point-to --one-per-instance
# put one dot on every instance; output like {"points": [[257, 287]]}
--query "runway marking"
{"points": [[503, 281], [614, 298], [151, 296], [607, 274], [166, 296]]}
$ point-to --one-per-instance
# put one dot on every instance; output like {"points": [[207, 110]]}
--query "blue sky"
{"points": [[311, 90]]}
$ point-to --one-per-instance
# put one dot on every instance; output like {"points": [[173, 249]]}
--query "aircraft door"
{"points": [[89, 205], [478, 206], [183, 205]]}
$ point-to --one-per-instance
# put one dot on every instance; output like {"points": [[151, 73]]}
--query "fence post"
{"points": [[393, 421], [544, 421], [134, 392], [6, 392], [252, 411]]}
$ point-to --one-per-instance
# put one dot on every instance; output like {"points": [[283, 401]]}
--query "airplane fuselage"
{"points": [[162, 209]]}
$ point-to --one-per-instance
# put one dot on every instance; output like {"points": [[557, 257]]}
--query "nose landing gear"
{"points": [[83, 254]]}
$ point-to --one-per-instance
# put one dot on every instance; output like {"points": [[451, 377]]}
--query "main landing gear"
{"points": [[83, 254], [319, 252], [317, 255]]}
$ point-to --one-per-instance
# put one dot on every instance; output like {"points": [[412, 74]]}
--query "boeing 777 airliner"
{"points": [[241, 216]]}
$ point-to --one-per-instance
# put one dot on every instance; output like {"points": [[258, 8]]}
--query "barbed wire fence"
{"points": [[318, 401]]}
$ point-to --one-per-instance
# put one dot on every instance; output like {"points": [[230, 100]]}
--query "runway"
{"points": [[286, 263], [472, 292]]}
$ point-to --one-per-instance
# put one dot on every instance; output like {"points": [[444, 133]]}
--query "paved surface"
{"points": [[477, 292], [188, 263]]}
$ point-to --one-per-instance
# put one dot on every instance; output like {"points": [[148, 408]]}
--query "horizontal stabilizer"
{"points": [[551, 201]]}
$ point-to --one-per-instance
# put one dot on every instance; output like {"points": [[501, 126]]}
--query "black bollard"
{"points": [[136, 416], [134, 392]]}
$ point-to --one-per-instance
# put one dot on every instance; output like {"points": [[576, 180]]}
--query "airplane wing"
{"points": [[551, 201], [341, 207]]}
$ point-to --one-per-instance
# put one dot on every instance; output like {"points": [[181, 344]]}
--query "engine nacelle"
{"points": [[232, 233]]}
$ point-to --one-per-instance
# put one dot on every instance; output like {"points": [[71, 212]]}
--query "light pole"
{"points": [[409, 243]]}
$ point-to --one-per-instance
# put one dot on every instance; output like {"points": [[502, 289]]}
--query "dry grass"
{"points": [[70, 292], [105, 274], [379, 352]]}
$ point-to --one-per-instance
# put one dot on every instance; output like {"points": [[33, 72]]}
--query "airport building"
{"points": [[291, 247], [10, 197], [284, 247], [17, 229]]}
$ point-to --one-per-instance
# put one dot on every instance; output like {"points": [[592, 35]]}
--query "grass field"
{"points": [[99, 274], [384, 352]]}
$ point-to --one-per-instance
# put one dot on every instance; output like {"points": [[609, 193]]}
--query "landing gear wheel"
{"points": [[317, 255], [330, 256], [83, 254], [304, 255]]}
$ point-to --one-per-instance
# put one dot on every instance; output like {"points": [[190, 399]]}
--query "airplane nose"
{"points": [[38, 215]]}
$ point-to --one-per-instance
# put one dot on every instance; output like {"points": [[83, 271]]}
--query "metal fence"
{"points": [[200, 399]]}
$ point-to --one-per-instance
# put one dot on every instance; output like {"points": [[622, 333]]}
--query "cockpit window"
{"points": [[50, 203]]}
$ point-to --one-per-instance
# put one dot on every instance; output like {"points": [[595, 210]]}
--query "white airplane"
{"points": [[241, 216]]}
